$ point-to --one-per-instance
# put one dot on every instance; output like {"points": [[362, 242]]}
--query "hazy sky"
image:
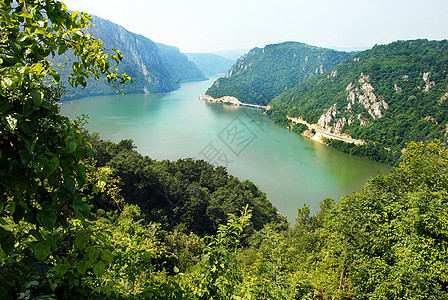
{"points": [[210, 25]]}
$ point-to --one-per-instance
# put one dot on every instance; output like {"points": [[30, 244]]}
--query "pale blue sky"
{"points": [[210, 25]]}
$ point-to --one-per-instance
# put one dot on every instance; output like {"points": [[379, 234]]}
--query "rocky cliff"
{"points": [[154, 68], [390, 95]]}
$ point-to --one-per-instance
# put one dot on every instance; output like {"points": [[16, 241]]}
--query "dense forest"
{"points": [[187, 195], [390, 95], [84, 218], [264, 73]]}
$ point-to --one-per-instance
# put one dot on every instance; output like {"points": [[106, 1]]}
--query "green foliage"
{"points": [[262, 74], [393, 232], [298, 128], [218, 273], [369, 150], [47, 246], [190, 195], [416, 109], [387, 241]]}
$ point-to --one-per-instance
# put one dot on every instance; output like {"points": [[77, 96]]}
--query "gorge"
{"points": [[290, 169]]}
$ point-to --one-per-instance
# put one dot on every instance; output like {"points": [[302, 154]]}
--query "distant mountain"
{"points": [[233, 54], [264, 73], [210, 64], [178, 65], [390, 95], [154, 68]]}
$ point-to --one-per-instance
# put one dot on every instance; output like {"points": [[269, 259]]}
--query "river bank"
{"points": [[316, 133], [231, 100]]}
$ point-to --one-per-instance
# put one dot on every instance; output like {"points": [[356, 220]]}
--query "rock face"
{"points": [[390, 94], [360, 93], [154, 68], [428, 84], [364, 95]]}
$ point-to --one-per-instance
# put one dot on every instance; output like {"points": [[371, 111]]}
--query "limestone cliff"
{"points": [[154, 68]]}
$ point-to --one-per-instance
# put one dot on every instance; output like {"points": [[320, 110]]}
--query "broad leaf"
{"points": [[41, 250], [81, 239], [99, 268], [7, 240], [47, 219]]}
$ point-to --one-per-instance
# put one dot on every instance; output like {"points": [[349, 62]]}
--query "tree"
{"points": [[394, 231], [45, 241]]}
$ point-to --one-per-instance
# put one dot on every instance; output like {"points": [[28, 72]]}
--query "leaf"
{"points": [[18, 213], [107, 256], [7, 240], [81, 239], [61, 269], [71, 147], [82, 267], [49, 106], [56, 77], [27, 108], [46, 164], [99, 268], [69, 186], [41, 250], [92, 253], [12, 208], [47, 220], [37, 97], [24, 156], [81, 176], [4, 106], [36, 234]]}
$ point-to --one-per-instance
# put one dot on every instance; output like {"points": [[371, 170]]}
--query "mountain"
{"points": [[154, 68], [264, 73], [232, 54], [178, 65], [210, 64], [390, 95]]}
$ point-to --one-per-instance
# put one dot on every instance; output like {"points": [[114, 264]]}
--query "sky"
{"points": [[211, 26]]}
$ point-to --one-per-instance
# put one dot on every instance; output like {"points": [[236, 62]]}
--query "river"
{"points": [[290, 169]]}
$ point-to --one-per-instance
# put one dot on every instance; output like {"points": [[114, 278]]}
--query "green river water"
{"points": [[290, 169]]}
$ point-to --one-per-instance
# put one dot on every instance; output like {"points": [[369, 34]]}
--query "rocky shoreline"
{"points": [[316, 133], [231, 100]]}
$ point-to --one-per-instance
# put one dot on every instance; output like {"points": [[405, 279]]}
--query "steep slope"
{"points": [[179, 67], [153, 70], [390, 95], [262, 74], [210, 64]]}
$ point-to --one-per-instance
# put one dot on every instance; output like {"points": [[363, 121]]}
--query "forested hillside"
{"points": [[83, 218], [187, 195], [262, 74], [178, 65], [154, 68], [390, 95]]}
